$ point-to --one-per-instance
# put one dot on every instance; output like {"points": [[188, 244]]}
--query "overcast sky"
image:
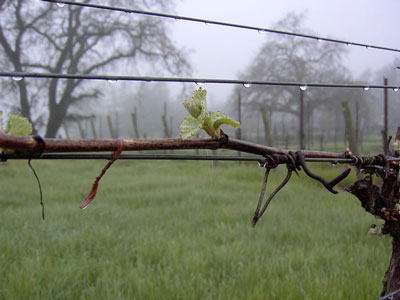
{"points": [[221, 52]]}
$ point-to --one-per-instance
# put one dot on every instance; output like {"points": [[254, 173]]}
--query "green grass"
{"points": [[181, 230]]}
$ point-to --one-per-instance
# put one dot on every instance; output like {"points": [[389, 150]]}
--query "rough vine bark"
{"points": [[383, 202]]}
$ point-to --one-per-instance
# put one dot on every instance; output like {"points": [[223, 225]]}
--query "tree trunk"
{"points": [[351, 134], [267, 126], [54, 123]]}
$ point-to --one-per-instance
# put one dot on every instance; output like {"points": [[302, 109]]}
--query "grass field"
{"points": [[181, 230]]}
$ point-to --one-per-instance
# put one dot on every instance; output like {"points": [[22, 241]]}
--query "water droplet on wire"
{"points": [[247, 84], [396, 89], [111, 81], [348, 44], [17, 78], [303, 87], [60, 4], [199, 83], [366, 88], [367, 47], [319, 40], [261, 164]]}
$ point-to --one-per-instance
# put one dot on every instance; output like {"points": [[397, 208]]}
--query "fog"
{"points": [[212, 51], [221, 52]]}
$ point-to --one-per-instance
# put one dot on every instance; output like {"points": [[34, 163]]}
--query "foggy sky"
{"points": [[221, 52]]}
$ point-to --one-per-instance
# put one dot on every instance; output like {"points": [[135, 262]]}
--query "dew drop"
{"points": [[334, 163], [367, 47], [319, 40], [396, 89], [348, 44], [111, 81], [60, 4], [260, 31], [247, 85], [303, 87], [17, 78], [261, 164], [199, 83], [366, 88]]}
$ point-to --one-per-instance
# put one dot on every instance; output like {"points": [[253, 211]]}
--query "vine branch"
{"points": [[22, 145]]}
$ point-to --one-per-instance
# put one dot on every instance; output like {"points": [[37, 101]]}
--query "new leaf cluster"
{"points": [[199, 118]]}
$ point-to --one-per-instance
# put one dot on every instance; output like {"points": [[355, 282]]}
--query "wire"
{"points": [[91, 156], [205, 21], [198, 81]]}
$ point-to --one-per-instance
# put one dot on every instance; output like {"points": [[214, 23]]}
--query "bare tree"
{"points": [[288, 58], [45, 37]]}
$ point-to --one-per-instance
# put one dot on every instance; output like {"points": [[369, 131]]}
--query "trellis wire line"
{"points": [[205, 21], [199, 81], [91, 156]]}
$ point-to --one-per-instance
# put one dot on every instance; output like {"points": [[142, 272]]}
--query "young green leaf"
{"points": [[219, 119], [18, 125], [200, 118], [190, 126], [197, 107]]}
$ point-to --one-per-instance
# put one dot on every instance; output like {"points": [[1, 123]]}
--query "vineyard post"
{"points": [[111, 128], [385, 120], [239, 130], [93, 128], [134, 124], [301, 117], [81, 131]]}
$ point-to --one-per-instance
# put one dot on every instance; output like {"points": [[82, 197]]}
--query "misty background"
{"points": [[42, 37]]}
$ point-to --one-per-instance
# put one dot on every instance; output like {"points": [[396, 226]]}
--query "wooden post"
{"points": [[357, 123], [93, 128], [321, 142], [267, 126], [81, 132], [110, 127], [116, 124], [239, 130], [301, 117], [134, 124], [385, 120], [66, 130], [350, 128]]}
